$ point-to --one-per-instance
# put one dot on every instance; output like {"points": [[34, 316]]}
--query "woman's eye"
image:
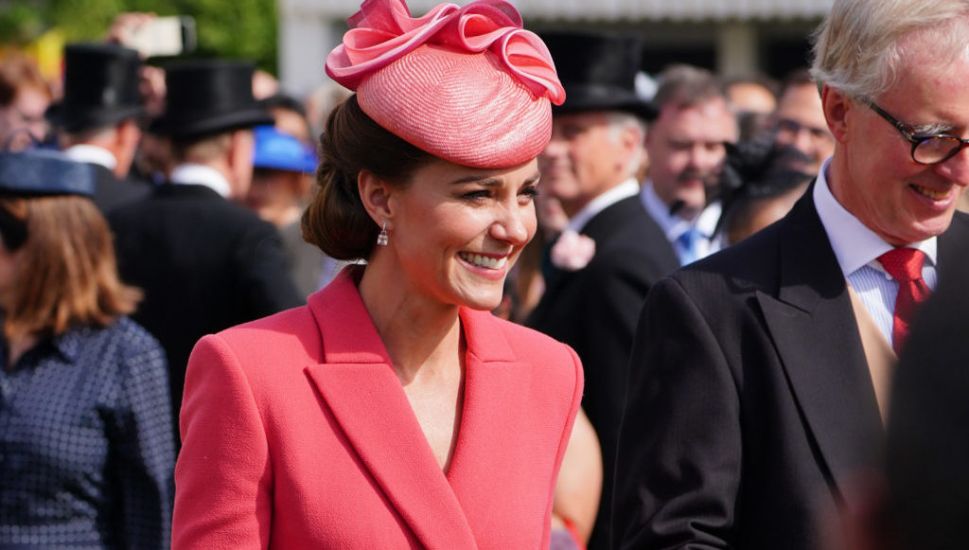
{"points": [[476, 195], [530, 192]]}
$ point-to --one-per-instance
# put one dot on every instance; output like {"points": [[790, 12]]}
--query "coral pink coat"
{"points": [[297, 434]]}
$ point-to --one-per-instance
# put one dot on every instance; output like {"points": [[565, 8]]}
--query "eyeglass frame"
{"points": [[909, 134]]}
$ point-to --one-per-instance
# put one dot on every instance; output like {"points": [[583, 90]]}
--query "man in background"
{"points": [[591, 302], [753, 101], [204, 262], [799, 119], [687, 149], [99, 118]]}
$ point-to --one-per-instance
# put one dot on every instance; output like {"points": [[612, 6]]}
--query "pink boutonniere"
{"points": [[572, 251]]}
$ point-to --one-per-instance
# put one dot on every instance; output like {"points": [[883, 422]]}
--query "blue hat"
{"points": [[278, 151], [38, 172]]}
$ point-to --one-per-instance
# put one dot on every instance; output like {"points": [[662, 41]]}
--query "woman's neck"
{"points": [[17, 347], [422, 336]]}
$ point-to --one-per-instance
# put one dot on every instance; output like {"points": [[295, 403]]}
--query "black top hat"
{"points": [[208, 97], [100, 87], [598, 72]]}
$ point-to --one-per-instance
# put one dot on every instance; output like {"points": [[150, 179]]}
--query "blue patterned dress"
{"points": [[86, 444]]}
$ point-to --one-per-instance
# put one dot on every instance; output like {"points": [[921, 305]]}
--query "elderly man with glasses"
{"points": [[759, 375]]}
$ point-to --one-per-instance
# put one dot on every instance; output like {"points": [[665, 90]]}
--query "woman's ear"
{"points": [[375, 195]]}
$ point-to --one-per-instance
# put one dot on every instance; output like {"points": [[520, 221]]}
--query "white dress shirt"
{"points": [[674, 227], [198, 174], [92, 154], [857, 248]]}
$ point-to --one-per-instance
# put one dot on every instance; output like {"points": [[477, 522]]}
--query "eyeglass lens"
{"points": [[936, 149]]}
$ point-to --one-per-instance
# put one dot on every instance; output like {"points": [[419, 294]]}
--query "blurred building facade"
{"points": [[732, 37]]}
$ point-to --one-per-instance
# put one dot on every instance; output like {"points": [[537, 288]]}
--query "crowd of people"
{"points": [[484, 291]]}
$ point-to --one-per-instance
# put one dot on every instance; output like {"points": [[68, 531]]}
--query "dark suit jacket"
{"points": [[204, 263], [751, 404], [927, 445], [594, 310], [110, 192]]}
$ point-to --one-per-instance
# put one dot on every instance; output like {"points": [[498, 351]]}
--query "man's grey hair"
{"points": [[861, 45], [619, 121]]}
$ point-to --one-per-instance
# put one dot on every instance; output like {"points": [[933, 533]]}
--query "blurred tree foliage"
{"points": [[243, 29]]}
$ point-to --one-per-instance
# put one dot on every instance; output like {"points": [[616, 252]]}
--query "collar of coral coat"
{"points": [[352, 338], [441, 510]]}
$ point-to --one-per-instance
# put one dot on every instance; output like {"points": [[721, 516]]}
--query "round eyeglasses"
{"points": [[926, 149]]}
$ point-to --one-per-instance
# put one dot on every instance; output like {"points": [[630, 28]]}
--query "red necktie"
{"points": [[905, 266]]}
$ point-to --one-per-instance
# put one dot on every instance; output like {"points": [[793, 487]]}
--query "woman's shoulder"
{"points": [[124, 335], [277, 325], [119, 350], [290, 335]]}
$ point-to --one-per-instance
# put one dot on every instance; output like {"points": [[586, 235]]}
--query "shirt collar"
{"points": [[706, 222], [854, 244], [92, 154], [624, 190], [199, 174], [68, 344], [672, 225]]}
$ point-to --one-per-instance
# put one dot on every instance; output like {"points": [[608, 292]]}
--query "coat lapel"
{"points": [[952, 249], [814, 330], [497, 389], [358, 384]]}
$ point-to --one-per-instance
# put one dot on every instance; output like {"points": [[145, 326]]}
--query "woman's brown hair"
{"points": [[336, 220], [17, 73], [66, 274]]}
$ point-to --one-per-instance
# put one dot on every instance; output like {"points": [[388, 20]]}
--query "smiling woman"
{"points": [[394, 411]]}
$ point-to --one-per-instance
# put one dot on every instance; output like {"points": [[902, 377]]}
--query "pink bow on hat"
{"points": [[384, 31]]}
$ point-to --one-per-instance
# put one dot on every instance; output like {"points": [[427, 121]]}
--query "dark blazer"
{"points": [[110, 192], [204, 263], [927, 445], [751, 406], [594, 310]]}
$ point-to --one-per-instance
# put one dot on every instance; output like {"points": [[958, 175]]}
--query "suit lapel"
{"points": [[358, 385], [602, 228], [611, 219], [814, 330], [952, 248], [599, 228]]}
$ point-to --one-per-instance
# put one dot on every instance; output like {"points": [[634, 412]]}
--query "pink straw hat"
{"points": [[466, 84]]}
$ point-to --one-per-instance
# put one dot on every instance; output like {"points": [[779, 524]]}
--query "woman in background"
{"points": [[86, 443], [24, 97]]}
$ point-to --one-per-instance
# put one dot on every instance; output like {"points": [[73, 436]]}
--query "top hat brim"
{"points": [[189, 127], [604, 98], [78, 119]]}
